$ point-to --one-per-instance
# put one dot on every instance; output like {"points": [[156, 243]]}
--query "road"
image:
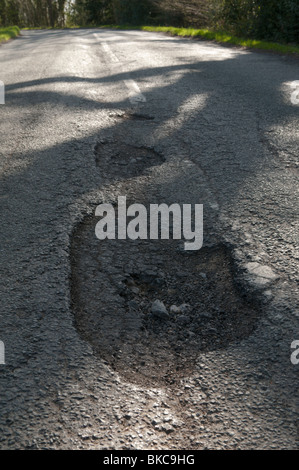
{"points": [[219, 128]]}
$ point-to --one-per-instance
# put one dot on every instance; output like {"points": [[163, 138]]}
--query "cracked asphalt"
{"points": [[222, 130]]}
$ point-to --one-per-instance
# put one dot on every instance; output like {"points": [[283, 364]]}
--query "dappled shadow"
{"points": [[223, 136], [234, 87], [213, 113]]}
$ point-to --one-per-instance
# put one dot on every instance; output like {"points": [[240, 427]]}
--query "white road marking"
{"points": [[109, 52], [135, 95]]}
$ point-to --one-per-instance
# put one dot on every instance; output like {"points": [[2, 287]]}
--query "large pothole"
{"points": [[116, 282]]}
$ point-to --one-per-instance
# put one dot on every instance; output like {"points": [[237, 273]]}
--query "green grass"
{"points": [[9, 33], [224, 38]]}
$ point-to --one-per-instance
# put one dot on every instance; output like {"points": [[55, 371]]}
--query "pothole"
{"points": [[115, 286], [132, 116], [118, 160]]}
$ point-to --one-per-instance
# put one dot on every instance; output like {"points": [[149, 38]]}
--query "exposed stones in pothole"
{"points": [[120, 161], [149, 309]]}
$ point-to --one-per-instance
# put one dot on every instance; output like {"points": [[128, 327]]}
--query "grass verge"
{"points": [[224, 38], [9, 33]]}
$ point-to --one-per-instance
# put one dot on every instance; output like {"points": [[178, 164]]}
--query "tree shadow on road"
{"points": [[215, 116]]}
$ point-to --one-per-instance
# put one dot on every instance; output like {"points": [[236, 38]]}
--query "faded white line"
{"points": [[109, 52], [135, 95]]}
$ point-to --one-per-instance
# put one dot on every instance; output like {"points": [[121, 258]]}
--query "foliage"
{"points": [[265, 19], [90, 12], [269, 20], [131, 11], [32, 12]]}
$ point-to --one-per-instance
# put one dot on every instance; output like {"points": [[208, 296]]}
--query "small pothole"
{"points": [[118, 160], [132, 116], [116, 282]]}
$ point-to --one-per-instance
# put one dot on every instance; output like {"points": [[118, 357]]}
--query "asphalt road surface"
{"points": [[219, 126]]}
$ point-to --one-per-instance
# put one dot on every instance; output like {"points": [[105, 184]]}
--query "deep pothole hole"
{"points": [[116, 285]]}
